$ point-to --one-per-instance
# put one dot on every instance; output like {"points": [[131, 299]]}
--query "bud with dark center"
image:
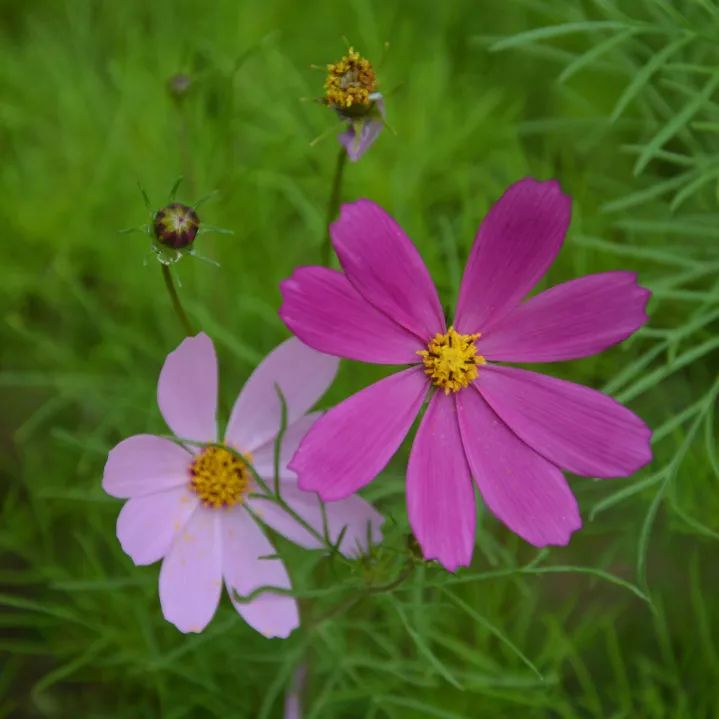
{"points": [[176, 226]]}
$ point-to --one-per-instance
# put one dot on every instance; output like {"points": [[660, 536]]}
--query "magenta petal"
{"points": [[517, 241], [349, 445], [355, 518], [191, 575], [144, 464], [385, 267], [574, 319], [326, 312], [187, 390], [246, 568], [521, 488], [147, 525], [301, 373], [263, 458], [440, 495], [573, 426]]}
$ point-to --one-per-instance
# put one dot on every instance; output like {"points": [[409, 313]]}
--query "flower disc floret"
{"points": [[451, 360], [219, 477], [350, 82]]}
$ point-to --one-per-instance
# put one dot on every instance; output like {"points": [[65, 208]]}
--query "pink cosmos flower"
{"points": [[510, 429], [187, 504]]}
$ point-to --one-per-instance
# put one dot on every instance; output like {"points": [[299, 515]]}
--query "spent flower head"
{"points": [[351, 90], [350, 84]]}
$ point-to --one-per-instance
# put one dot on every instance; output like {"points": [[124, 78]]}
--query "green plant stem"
{"points": [[175, 299], [333, 204], [390, 586], [184, 144]]}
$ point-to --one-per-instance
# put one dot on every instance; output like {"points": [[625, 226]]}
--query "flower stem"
{"points": [[175, 299], [333, 204]]}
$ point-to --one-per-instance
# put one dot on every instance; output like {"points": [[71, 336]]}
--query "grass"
{"points": [[616, 100]]}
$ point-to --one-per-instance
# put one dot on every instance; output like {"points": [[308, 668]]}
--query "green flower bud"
{"points": [[179, 85]]}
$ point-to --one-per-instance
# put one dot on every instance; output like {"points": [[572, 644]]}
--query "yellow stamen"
{"points": [[350, 81], [219, 477], [451, 360]]}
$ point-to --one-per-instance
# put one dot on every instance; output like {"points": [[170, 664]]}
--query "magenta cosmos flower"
{"points": [[188, 502], [510, 429]]}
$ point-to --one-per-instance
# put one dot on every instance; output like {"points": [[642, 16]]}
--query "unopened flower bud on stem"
{"points": [[176, 226]]}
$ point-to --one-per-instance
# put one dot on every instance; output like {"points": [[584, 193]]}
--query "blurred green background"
{"points": [[618, 101]]}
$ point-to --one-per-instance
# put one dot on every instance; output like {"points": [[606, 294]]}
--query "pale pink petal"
{"points": [[356, 143], [440, 495], [516, 242], [361, 133], [521, 488], [301, 374], [353, 517], [143, 464], [385, 267], [326, 312], [244, 546], [349, 445], [263, 458], [574, 319], [574, 427], [191, 574], [146, 526], [187, 390]]}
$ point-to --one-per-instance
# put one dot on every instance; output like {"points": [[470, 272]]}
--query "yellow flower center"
{"points": [[451, 360], [219, 477], [350, 81]]}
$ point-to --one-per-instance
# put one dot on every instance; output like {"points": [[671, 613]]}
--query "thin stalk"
{"points": [[184, 142], [175, 299], [333, 204]]}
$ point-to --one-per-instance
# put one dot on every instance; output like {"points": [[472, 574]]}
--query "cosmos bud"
{"points": [[176, 226], [179, 85]]}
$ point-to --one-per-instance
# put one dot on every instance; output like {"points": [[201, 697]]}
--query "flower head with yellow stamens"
{"points": [[350, 83], [451, 360], [351, 90], [503, 429], [199, 502]]}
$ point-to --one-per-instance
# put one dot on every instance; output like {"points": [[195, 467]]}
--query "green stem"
{"points": [[344, 606], [389, 586], [333, 204], [183, 141], [174, 298]]}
